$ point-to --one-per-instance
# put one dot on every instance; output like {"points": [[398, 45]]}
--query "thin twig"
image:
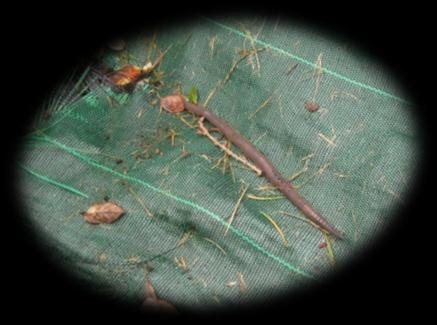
{"points": [[302, 219], [292, 68], [234, 211], [265, 198], [140, 201], [328, 140], [264, 104], [234, 66], [266, 187], [204, 131], [276, 226], [317, 173], [242, 283], [318, 73], [329, 251], [183, 120], [186, 236], [216, 245]]}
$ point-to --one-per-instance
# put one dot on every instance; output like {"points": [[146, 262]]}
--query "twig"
{"points": [[329, 251], [264, 104], [302, 219], [265, 198], [242, 283], [276, 226], [181, 263], [183, 120], [306, 160], [338, 93], [212, 43], [226, 157], [172, 135], [317, 173], [234, 66], [186, 236], [318, 73], [204, 131], [149, 67], [329, 141], [234, 211], [216, 245], [140, 201], [292, 68]]}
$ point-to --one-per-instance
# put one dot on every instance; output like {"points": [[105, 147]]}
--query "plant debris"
{"points": [[243, 55], [242, 283], [204, 131], [106, 212], [128, 76], [193, 95], [231, 284], [181, 263], [173, 103], [153, 303], [234, 211], [329, 250], [276, 226], [292, 68]]}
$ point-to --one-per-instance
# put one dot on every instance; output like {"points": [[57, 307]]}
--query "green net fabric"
{"points": [[352, 159]]}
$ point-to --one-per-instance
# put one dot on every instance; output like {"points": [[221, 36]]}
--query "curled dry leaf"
{"points": [[154, 304], [126, 76], [312, 106], [106, 212], [173, 103]]}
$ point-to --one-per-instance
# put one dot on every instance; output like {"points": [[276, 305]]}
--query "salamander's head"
{"points": [[173, 103]]}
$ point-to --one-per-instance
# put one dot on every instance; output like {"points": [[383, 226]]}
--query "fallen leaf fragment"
{"points": [[125, 76], [106, 212], [153, 303]]}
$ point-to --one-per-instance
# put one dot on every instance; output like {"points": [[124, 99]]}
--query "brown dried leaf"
{"points": [[106, 212], [153, 303], [173, 103], [126, 76]]}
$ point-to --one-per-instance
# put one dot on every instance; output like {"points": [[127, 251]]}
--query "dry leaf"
{"points": [[106, 212], [173, 103], [126, 76], [153, 303]]}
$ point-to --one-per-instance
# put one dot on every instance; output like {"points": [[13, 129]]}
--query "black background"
{"points": [[42, 45]]}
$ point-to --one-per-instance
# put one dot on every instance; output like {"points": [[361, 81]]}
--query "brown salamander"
{"points": [[259, 159]]}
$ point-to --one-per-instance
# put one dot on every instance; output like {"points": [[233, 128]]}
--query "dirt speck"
{"points": [[312, 106]]}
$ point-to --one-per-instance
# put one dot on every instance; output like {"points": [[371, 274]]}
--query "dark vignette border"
{"points": [[43, 47]]}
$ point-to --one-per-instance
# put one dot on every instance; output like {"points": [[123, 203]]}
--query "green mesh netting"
{"points": [[352, 159]]}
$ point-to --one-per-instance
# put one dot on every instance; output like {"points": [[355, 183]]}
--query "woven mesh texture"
{"points": [[352, 159]]}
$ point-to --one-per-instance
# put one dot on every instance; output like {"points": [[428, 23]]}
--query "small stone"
{"points": [[312, 106]]}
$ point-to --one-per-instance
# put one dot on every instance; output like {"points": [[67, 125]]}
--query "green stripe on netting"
{"points": [[302, 60], [191, 204], [53, 182]]}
